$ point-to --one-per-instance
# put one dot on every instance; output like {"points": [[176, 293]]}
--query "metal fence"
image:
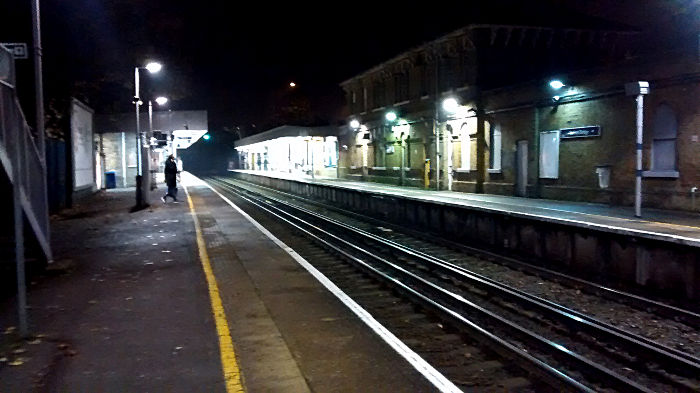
{"points": [[22, 160]]}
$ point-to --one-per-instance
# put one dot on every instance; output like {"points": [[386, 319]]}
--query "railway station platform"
{"points": [[190, 296], [666, 224], [658, 252]]}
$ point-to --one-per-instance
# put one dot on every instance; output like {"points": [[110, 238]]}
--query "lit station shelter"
{"points": [[301, 151]]}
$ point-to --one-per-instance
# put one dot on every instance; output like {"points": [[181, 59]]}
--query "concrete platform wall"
{"points": [[612, 257]]}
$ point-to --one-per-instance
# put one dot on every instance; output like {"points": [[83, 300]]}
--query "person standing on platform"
{"points": [[171, 174]]}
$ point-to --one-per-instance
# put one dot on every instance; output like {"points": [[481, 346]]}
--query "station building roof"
{"points": [[287, 131], [162, 121]]}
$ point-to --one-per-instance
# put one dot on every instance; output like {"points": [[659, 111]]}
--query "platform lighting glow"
{"points": [[153, 67], [206, 137], [161, 100], [391, 116], [402, 128], [556, 98], [463, 111], [450, 105], [354, 124], [292, 84], [556, 84]]}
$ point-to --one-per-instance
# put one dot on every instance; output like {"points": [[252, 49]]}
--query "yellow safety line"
{"points": [[232, 373]]}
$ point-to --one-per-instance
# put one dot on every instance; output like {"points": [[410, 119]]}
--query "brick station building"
{"points": [[511, 133]]}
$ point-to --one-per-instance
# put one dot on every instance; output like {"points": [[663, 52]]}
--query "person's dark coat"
{"points": [[171, 173]]}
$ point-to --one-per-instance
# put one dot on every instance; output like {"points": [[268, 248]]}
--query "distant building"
{"points": [[116, 140], [509, 132]]}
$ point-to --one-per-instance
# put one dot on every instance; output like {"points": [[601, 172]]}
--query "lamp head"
{"points": [[153, 67], [556, 84], [450, 105], [161, 100]]}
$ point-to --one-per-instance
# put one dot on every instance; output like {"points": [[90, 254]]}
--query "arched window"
{"points": [[665, 132], [465, 131], [495, 145]]}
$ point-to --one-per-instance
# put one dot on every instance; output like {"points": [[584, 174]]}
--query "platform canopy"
{"points": [[287, 131]]}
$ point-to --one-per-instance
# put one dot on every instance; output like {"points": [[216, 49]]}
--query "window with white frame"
{"points": [[330, 152], [665, 132], [495, 145], [466, 149]]}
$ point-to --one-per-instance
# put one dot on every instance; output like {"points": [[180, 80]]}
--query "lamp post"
{"points": [[141, 196]]}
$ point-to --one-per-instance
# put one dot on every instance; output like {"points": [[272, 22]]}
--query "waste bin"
{"points": [[110, 179]]}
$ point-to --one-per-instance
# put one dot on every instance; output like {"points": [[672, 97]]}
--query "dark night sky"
{"points": [[229, 58]]}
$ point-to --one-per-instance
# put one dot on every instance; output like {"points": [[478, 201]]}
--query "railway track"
{"points": [[561, 347]]}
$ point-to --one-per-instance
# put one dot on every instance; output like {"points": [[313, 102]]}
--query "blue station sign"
{"points": [[579, 132]]}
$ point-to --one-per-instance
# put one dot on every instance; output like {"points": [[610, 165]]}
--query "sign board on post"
{"points": [[18, 49]]}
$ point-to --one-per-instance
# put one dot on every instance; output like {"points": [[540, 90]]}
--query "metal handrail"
{"points": [[23, 162]]}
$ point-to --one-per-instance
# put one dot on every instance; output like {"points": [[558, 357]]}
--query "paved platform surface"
{"points": [[125, 307], [662, 224]]}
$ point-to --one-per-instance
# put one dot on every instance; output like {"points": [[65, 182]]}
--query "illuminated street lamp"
{"points": [[450, 105], [292, 84], [556, 84], [153, 67], [390, 116], [141, 196], [355, 124]]}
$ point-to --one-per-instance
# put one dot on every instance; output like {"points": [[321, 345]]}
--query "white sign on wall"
{"points": [[549, 154], [82, 146]]}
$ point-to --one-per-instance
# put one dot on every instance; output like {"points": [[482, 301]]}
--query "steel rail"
{"points": [[542, 369], [681, 362], [589, 366], [640, 302]]}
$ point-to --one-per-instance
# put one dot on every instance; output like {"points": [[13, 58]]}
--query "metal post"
{"points": [[450, 164], [638, 182], [149, 175], [39, 88], [436, 128], [19, 255], [139, 179], [403, 160], [38, 79], [536, 149], [436, 123]]}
